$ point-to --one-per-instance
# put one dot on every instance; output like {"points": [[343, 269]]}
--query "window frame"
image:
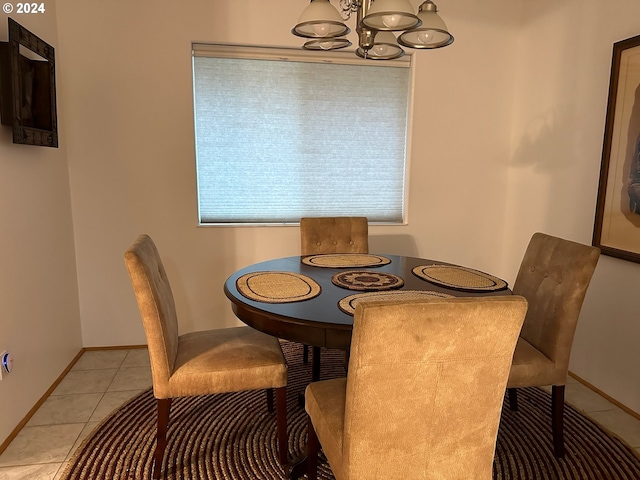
{"points": [[341, 57]]}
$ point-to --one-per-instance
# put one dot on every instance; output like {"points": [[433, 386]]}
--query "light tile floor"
{"points": [[102, 380], [99, 382]]}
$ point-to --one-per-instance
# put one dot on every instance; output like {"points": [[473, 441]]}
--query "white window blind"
{"points": [[279, 137]]}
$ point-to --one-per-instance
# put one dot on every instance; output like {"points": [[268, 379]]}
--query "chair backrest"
{"points": [[553, 277], [425, 386], [157, 309], [334, 235]]}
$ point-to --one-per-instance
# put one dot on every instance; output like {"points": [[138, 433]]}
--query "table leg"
{"points": [[315, 367], [315, 371]]}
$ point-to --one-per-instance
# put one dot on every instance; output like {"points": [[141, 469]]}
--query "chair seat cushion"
{"points": [[227, 360], [325, 402], [531, 367]]}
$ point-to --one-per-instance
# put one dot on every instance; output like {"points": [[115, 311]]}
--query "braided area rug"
{"points": [[233, 436]]}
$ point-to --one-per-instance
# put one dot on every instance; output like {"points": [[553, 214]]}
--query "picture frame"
{"points": [[617, 221], [28, 88]]}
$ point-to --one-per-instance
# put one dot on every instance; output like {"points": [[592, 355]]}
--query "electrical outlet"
{"points": [[1, 368]]}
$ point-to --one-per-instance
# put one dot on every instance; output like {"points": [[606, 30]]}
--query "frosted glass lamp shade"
{"points": [[385, 47], [391, 15], [320, 20], [433, 32], [326, 44]]}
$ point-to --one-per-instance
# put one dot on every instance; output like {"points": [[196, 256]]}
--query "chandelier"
{"points": [[324, 25]]}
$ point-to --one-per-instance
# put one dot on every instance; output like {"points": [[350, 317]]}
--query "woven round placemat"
{"points": [[345, 260], [232, 436], [277, 287], [459, 278], [365, 280], [348, 304]]}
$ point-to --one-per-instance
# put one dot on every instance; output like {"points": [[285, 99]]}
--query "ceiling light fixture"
{"points": [[376, 20]]}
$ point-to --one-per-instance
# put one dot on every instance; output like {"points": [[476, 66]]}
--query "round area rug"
{"points": [[233, 437]]}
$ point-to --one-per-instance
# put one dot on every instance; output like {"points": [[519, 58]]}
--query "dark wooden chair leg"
{"points": [[297, 468], [513, 398], [313, 446], [270, 400], [164, 407], [305, 353], [283, 441], [557, 419]]}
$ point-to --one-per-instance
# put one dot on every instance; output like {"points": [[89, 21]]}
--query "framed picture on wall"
{"points": [[617, 223]]}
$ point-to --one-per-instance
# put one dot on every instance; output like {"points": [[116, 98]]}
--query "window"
{"points": [[282, 134]]}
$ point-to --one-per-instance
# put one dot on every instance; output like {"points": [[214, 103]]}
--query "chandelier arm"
{"points": [[348, 7], [366, 35]]}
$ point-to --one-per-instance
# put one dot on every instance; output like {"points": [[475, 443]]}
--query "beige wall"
{"points": [[39, 319], [564, 64]]}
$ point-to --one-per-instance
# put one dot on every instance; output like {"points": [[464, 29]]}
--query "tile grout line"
{"points": [[69, 454]]}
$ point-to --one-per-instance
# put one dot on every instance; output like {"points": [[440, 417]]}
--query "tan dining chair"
{"points": [[423, 393], [203, 362], [321, 235], [553, 277]]}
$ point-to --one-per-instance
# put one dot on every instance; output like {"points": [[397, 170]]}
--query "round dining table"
{"points": [[312, 299], [319, 320]]}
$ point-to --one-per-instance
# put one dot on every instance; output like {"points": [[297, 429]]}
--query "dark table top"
{"points": [[319, 321]]}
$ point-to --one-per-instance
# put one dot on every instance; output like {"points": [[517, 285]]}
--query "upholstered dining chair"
{"points": [[320, 235], [203, 362], [423, 393], [334, 235], [553, 277]]}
